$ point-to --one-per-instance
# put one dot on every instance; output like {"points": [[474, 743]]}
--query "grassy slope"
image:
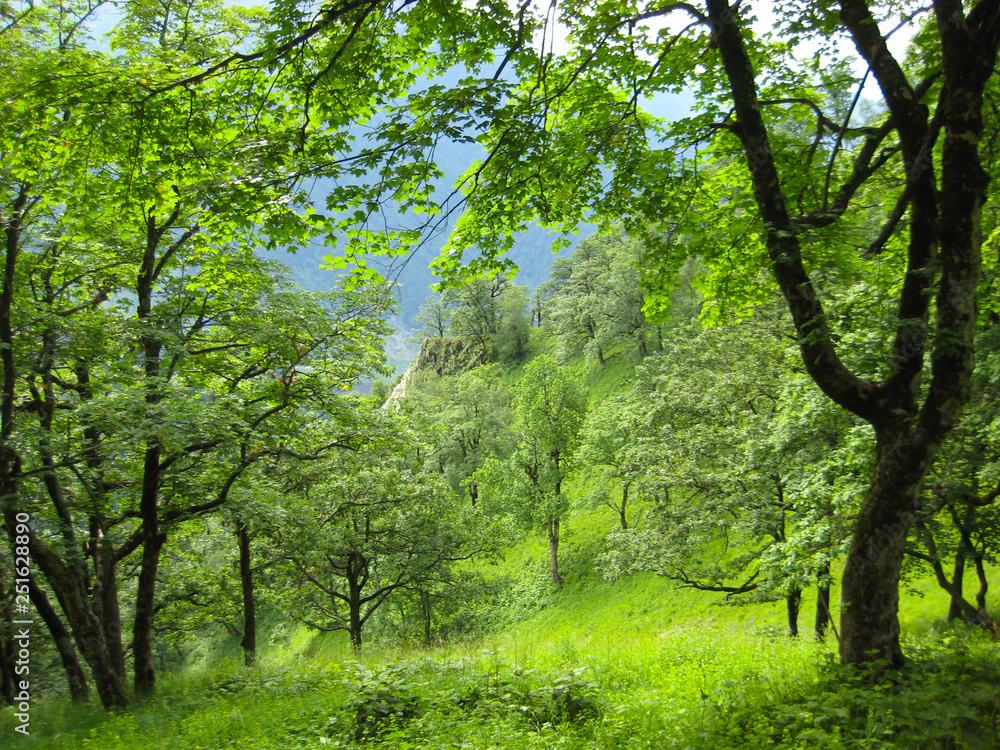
{"points": [[661, 666]]}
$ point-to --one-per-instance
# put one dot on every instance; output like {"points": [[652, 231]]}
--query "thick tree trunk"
{"points": [[984, 616], [75, 677], [142, 630], [249, 642], [355, 623], [554, 550], [792, 601], [822, 621], [152, 538], [112, 619], [10, 460], [105, 556], [86, 627], [357, 576], [8, 391], [106, 602], [870, 586]]}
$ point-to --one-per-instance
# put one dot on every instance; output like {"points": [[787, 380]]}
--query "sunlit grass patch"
{"points": [[700, 686]]}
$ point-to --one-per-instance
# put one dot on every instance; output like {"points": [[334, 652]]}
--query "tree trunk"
{"points": [[554, 550], [106, 601], [984, 617], [356, 578], [142, 630], [870, 587], [427, 611], [792, 601], [6, 641], [968, 612], [957, 576], [355, 624], [7, 654], [621, 510], [93, 647], [78, 689], [87, 632], [822, 603], [249, 641], [73, 598], [10, 460]]}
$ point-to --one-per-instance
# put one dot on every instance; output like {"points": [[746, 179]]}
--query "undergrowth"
{"points": [[690, 688]]}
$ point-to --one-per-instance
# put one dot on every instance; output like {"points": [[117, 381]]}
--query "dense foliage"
{"points": [[776, 364]]}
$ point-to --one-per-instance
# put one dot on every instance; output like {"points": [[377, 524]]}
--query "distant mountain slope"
{"points": [[532, 253]]}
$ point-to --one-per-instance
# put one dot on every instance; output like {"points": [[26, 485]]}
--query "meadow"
{"points": [[636, 663]]}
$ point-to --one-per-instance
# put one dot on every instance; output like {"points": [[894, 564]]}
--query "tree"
{"points": [[584, 123], [612, 442], [65, 255], [435, 318], [231, 395], [823, 457], [550, 408], [693, 424], [595, 296], [465, 421], [374, 525], [135, 189], [577, 288], [489, 314]]}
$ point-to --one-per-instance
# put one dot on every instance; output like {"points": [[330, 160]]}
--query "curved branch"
{"points": [[687, 582], [784, 250]]}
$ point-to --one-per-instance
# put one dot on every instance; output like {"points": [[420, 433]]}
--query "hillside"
{"points": [[632, 664], [688, 610]]}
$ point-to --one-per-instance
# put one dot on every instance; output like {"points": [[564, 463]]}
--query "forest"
{"points": [[724, 475]]}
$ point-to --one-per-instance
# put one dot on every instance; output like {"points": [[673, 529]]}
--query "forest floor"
{"points": [[632, 664]]}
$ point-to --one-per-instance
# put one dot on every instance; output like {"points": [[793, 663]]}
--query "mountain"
{"points": [[532, 251]]}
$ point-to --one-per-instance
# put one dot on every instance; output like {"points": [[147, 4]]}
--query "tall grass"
{"points": [[699, 686]]}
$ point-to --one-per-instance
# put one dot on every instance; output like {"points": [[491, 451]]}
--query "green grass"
{"points": [[701, 685], [655, 667], [636, 663]]}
